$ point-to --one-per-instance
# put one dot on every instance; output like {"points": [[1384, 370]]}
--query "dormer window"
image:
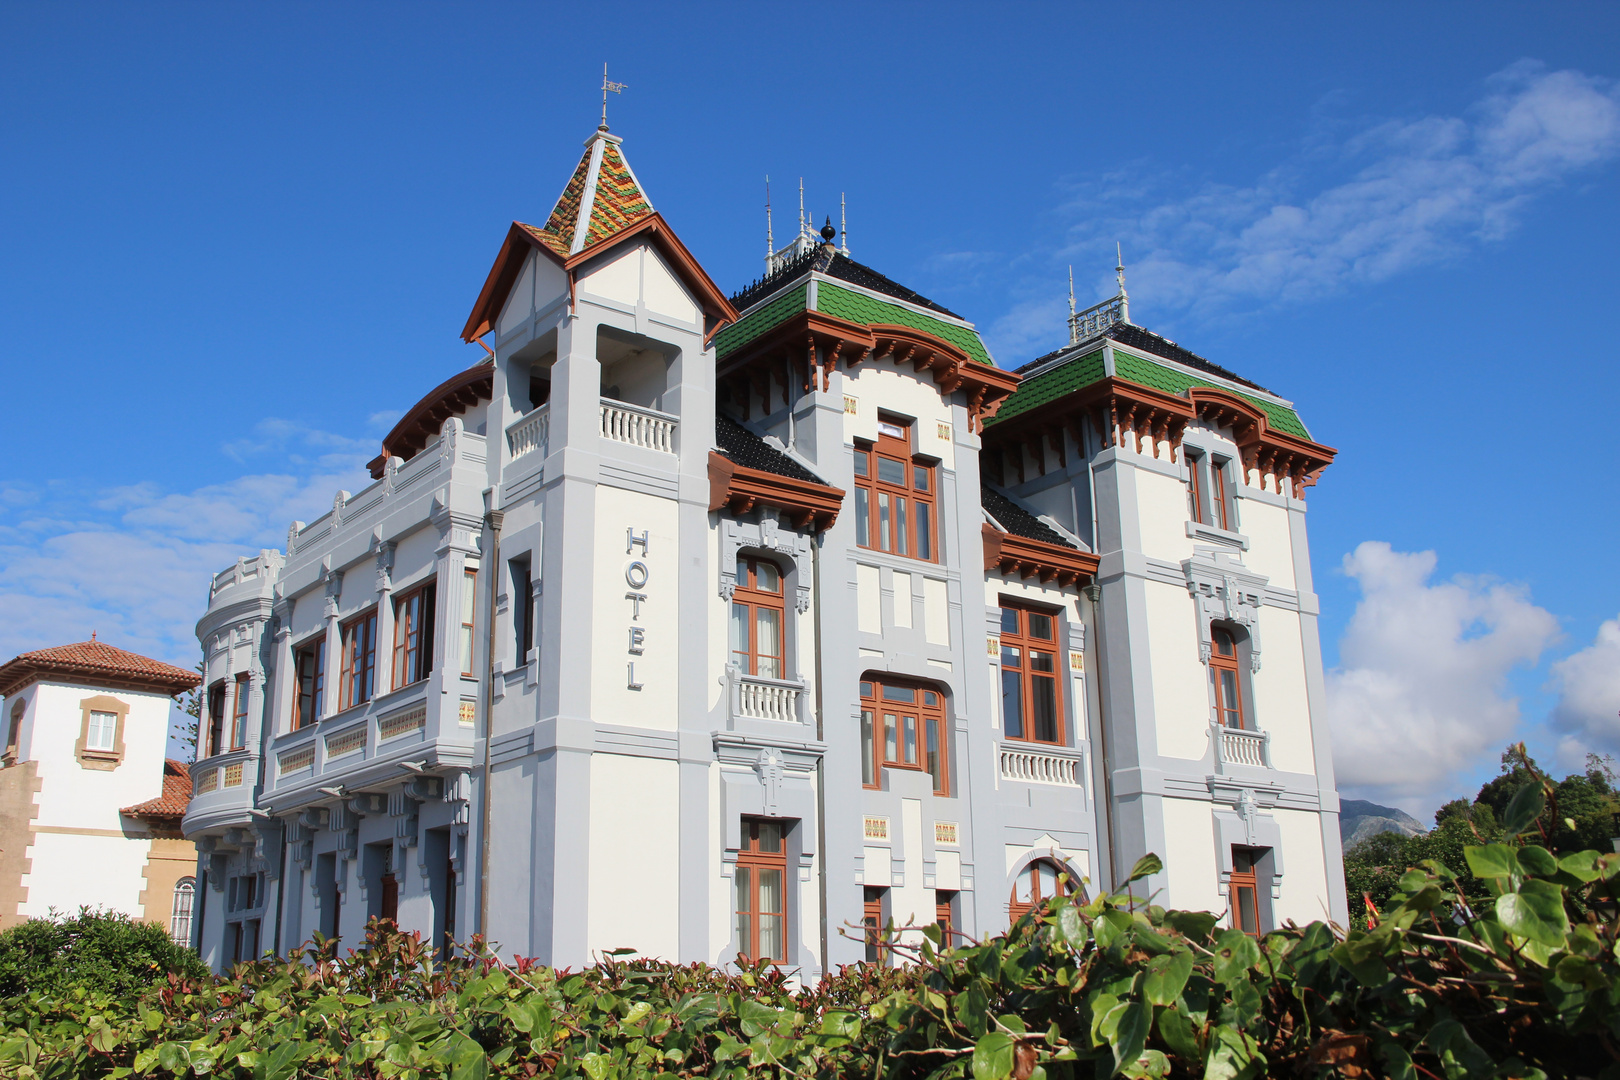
{"points": [[894, 494]]}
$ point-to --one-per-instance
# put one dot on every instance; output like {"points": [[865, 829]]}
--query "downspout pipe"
{"points": [[492, 522]]}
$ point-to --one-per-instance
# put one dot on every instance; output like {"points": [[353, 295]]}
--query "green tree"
{"points": [[100, 951]]}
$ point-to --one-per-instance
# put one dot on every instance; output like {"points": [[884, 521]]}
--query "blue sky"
{"points": [[237, 241]]}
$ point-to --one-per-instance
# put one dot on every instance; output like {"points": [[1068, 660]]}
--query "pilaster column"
{"points": [[280, 714], [385, 619], [334, 644]]}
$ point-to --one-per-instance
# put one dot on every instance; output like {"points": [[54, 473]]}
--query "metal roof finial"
{"points": [[801, 206], [843, 226], [770, 240], [1124, 298], [1074, 329], [615, 87]]}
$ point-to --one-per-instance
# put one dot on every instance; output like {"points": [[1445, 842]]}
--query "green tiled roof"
{"points": [[757, 322], [1085, 370], [866, 310], [1146, 373], [1050, 385]]}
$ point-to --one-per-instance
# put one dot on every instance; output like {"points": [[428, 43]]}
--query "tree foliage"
{"points": [[1580, 813], [1519, 982], [102, 952]]}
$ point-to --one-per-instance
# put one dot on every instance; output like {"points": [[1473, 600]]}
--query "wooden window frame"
{"points": [[1016, 908], [1221, 665], [1245, 885], [1017, 646], [414, 615], [933, 720], [872, 924], [945, 916], [873, 495], [1208, 498], [101, 760], [180, 922], [214, 703], [307, 707], [357, 682], [241, 698], [753, 858], [749, 595], [469, 615]]}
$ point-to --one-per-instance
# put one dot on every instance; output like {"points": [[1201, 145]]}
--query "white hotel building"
{"points": [[789, 611]]}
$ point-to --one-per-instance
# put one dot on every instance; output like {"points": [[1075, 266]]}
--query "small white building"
{"points": [[90, 809], [790, 609]]}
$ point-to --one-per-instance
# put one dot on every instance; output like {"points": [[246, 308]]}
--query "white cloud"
{"points": [[1421, 694], [132, 563], [1588, 686], [1392, 196]]}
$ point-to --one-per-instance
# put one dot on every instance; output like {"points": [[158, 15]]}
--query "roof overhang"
{"points": [[740, 489], [521, 239], [23, 672], [1007, 553], [813, 342]]}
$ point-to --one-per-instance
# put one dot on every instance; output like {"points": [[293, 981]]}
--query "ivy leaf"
{"points": [[1581, 865], [1526, 805], [1231, 1056], [1193, 924], [1130, 1032], [993, 1057], [1235, 953], [1491, 861], [1537, 860], [1177, 1032], [1146, 866], [1166, 976], [1072, 927], [595, 1065], [1535, 912], [757, 1018], [174, 1057]]}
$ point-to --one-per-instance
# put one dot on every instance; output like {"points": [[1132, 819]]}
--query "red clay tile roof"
{"points": [[175, 798], [96, 663]]}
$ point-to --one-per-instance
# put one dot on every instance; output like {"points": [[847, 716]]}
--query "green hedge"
{"points": [[97, 951], [1526, 984]]}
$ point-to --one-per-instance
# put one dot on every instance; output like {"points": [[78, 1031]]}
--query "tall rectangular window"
{"points": [[1207, 498], [757, 614], [903, 727], [1225, 679], [872, 923], [358, 672], [102, 733], [761, 878], [1031, 691], [469, 597], [309, 667], [945, 915], [894, 495], [216, 719], [239, 711], [522, 608], [1244, 891], [413, 636]]}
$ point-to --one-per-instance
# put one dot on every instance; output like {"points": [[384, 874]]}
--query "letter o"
{"points": [[636, 574]]}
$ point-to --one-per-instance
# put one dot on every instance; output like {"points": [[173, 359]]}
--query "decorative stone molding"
{"points": [[769, 767], [765, 536], [101, 760], [1241, 821], [1225, 591], [334, 592], [385, 565]]}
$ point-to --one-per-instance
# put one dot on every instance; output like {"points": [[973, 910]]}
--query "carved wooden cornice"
{"points": [[1264, 448], [740, 489], [1126, 413], [811, 344], [1006, 553]]}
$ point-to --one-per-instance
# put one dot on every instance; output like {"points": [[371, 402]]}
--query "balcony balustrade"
{"points": [[754, 697], [532, 434], [1235, 746], [1060, 765], [647, 428]]}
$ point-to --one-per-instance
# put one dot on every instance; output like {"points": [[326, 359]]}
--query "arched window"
{"points": [[1037, 883], [185, 893], [756, 619], [1226, 680]]}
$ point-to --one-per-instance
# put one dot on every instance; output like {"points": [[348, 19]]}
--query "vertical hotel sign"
{"points": [[635, 575]]}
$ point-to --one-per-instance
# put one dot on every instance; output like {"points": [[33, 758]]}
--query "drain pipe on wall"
{"points": [[1093, 592], [492, 520], [821, 784]]}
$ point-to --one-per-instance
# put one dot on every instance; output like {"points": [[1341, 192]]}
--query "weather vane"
{"points": [[616, 87]]}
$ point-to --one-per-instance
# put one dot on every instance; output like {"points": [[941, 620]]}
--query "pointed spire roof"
{"points": [[601, 200], [602, 205]]}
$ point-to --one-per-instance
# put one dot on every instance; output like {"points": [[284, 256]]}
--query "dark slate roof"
{"points": [[752, 452], [831, 262], [1018, 521], [1149, 342]]}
